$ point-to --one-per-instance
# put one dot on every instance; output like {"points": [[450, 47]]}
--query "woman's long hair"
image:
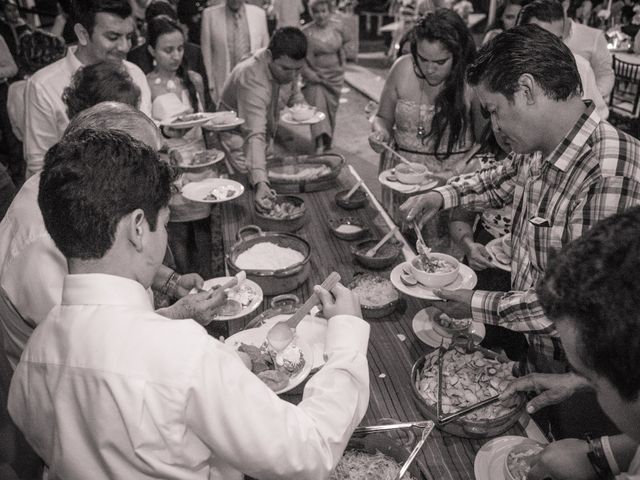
{"points": [[446, 27], [161, 25]]}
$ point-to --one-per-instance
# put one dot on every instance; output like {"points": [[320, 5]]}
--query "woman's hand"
{"points": [[379, 136], [563, 460], [264, 196]]}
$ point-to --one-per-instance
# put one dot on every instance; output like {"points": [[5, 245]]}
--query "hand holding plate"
{"points": [[457, 304]]}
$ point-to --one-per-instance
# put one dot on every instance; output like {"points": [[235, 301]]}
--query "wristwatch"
{"points": [[598, 459]]}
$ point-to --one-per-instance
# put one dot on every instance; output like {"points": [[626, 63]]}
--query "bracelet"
{"points": [[608, 453], [598, 459], [169, 287]]}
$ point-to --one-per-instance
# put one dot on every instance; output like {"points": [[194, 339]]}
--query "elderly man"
{"points": [[590, 291], [108, 388], [32, 269], [258, 88], [104, 29], [569, 169]]}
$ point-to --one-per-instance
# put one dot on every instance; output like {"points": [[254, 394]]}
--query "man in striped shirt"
{"points": [[569, 170]]}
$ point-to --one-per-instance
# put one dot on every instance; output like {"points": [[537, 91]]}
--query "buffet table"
{"points": [[393, 346]]}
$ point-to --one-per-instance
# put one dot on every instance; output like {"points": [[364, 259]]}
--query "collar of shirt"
{"points": [[71, 60], [103, 289], [235, 13], [567, 152], [263, 58]]}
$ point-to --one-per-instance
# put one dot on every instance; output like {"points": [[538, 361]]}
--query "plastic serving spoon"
{"points": [[281, 334], [373, 250], [353, 190]]}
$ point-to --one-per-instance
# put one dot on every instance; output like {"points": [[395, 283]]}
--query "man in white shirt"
{"points": [[549, 15], [590, 43], [104, 29], [32, 269], [107, 388]]}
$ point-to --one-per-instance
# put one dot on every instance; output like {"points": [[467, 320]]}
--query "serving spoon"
{"points": [[373, 250], [400, 157]]}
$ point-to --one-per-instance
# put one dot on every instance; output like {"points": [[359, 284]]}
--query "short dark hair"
{"points": [[160, 7], [593, 283], [546, 11], [289, 41], [90, 181], [106, 81], [85, 11], [39, 49], [526, 49]]}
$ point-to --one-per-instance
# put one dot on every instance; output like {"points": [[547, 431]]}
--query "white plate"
{"points": [[422, 325], [217, 127], [466, 279], [491, 247], [287, 117], [312, 330], [202, 119], [255, 302], [197, 191], [489, 462], [216, 157], [383, 178], [257, 336]]}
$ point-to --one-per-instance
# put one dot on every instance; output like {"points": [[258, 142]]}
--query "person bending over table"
{"points": [[591, 293], [138, 395], [32, 269], [257, 89], [568, 170]]}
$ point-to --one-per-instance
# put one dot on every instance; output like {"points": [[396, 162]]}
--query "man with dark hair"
{"points": [[549, 15], [107, 388], [141, 56], [591, 293], [104, 29], [569, 169], [257, 89]]}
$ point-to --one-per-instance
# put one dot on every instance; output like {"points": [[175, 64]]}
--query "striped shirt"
{"points": [[592, 174]]}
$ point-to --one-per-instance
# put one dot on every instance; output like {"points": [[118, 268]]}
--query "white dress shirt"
{"points": [[32, 269], [107, 388], [16, 107], [46, 113], [590, 89], [590, 43]]}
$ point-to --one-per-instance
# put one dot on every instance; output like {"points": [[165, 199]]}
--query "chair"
{"points": [[625, 96]]}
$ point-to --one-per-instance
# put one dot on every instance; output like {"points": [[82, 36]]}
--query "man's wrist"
{"points": [[598, 459], [170, 287]]}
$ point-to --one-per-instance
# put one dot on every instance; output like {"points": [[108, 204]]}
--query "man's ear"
{"points": [[83, 35], [528, 88], [136, 225]]}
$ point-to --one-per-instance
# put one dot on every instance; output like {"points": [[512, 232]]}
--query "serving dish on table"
{"points": [[470, 376], [288, 256], [466, 279], [383, 258], [357, 200], [248, 296], [304, 173], [288, 215], [347, 228], [378, 297]]}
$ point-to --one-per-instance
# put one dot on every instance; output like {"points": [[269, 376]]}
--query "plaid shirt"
{"points": [[592, 174]]}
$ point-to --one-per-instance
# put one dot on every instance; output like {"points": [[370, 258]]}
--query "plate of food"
{"points": [[281, 373], [188, 120], [226, 120], [302, 114], [242, 299], [389, 179], [492, 460], [189, 157], [212, 190], [313, 331], [423, 326], [403, 279], [500, 251]]}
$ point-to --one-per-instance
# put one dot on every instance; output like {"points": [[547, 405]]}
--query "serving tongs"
{"points": [[425, 434], [387, 428], [459, 339], [421, 246]]}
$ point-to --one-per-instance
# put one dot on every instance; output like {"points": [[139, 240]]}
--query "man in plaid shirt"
{"points": [[569, 170]]}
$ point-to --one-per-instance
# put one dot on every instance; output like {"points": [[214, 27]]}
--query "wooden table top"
{"points": [[393, 346]]}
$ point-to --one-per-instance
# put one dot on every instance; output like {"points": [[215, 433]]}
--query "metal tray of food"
{"points": [[304, 173]]}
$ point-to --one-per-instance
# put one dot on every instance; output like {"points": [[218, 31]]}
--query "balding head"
{"points": [[120, 117]]}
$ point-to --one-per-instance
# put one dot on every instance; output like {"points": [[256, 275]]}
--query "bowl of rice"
{"points": [[378, 297]]}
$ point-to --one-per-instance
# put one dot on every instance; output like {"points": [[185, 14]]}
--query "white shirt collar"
{"points": [[103, 289]]}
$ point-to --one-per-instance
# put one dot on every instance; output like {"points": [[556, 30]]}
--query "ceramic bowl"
{"points": [[301, 113], [449, 330], [511, 469], [358, 200], [436, 279], [384, 257], [347, 228], [413, 174]]}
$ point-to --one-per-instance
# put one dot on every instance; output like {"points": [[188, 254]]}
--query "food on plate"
{"points": [[271, 370], [355, 465], [431, 264], [302, 112], [189, 117], [411, 174], [285, 210], [221, 192], [521, 458], [299, 173], [223, 118], [230, 307], [243, 294], [468, 378], [246, 359], [348, 228], [192, 155], [446, 321], [500, 253], [268, 256], [374, 290]]}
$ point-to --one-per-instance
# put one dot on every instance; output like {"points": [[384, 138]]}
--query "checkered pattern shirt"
{"points": [[592, 174]]}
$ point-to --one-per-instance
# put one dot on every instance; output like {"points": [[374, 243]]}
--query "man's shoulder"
{"points": [[135, 71], [585, 30], [213, 11], [616, 153], [45, 75]]}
